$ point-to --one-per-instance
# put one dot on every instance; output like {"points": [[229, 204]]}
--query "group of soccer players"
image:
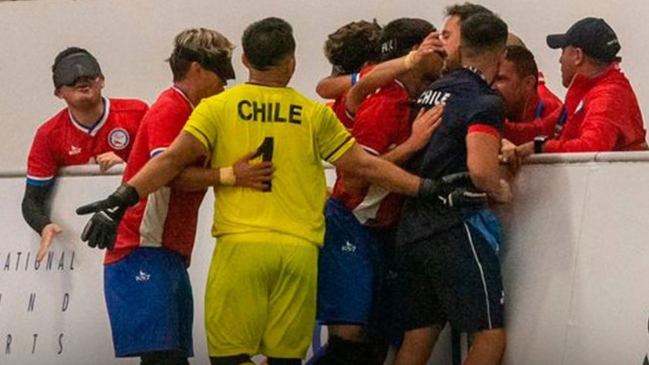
{"points": [[406, 243], [428, 106]]}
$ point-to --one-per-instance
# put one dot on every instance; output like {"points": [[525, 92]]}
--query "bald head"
{"points": [[514, 40]]}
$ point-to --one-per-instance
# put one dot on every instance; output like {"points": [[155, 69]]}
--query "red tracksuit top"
{"points": [[601, 114]]}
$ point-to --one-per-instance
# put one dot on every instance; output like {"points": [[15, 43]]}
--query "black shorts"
{"points": [[455, 277]]}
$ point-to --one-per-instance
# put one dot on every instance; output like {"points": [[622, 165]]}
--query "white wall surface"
{"points": [[575, 268], [132, 38]]}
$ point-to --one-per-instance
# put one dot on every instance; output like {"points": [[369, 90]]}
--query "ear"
{"points": [[292, 62], [529, 83], [57, 92], [245, 61], [102, 80], [195, 67], [580, 56]]}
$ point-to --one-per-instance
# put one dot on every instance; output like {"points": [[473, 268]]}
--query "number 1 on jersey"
{"points": [[266, 152]]}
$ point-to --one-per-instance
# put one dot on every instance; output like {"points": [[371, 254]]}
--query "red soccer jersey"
{"points": [[382, 122], [168, 217], [339, 106], [62, 141]]}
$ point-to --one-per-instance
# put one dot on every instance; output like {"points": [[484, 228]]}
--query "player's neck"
{"points": [[188, 90], [273, 77], [414, 83], [87, 116], [487, 67]]}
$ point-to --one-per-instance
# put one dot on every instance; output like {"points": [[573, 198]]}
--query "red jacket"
{"points": [[601, 114], [550, 101]]}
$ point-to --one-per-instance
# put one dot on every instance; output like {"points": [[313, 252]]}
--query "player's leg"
{"points": [[277, 361], [236, 302], [346, 283], [292, 300], [164, 358], [418, 345], [147, 295], [487, 347], [474, 297], [423, 316], [231, 360], [385, 327]]}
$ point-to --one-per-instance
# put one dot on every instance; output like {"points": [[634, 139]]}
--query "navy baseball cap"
{"points": [[74, 66], [596, 38]]}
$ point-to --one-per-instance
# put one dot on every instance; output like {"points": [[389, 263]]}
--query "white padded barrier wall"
{"points": [[575, 266]]}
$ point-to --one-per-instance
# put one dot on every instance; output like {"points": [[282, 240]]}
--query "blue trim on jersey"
{"points": [[90, 129], [39, 182]]}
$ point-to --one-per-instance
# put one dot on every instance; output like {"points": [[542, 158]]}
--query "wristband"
{"points": [[539, 142], [227, 176], [355, 77], [408, 61]]}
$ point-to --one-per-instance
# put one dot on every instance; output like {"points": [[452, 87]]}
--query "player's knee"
{"points": [[353, 333], [282, 361], [164, 358], [242, 359], [491, 342], [340, 351]]}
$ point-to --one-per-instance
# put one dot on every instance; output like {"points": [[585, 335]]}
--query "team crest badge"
{"points": [[118, 138]]}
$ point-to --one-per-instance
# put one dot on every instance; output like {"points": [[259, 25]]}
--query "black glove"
{"points": [[454, 190], [464, 198], [101, 229]]}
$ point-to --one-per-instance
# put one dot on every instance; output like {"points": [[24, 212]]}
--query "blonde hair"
{"points": [[200, 45]]}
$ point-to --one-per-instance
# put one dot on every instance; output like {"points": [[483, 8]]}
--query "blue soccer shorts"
{"points": [[150, 304]]}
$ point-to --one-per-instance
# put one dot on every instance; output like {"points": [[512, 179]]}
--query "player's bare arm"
{"points": [[482, 161], [333, 87]]}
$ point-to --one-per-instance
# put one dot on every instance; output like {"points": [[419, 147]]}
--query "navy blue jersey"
{"points": [[470, 106]]}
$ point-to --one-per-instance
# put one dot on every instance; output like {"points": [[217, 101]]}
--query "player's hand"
{"points": [[464, 197], [454, 190], [101, 229], [526, 149], [424, 125], [47, 235], [504, 193], [253, 175], [432, 44], [108, 160], [509, 155]]}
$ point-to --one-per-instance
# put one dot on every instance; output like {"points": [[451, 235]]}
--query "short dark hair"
{"points": [[464, 11], [66, 52], [523, 61], [267, 42], [483, 32], [399, 36], [353, 45]]}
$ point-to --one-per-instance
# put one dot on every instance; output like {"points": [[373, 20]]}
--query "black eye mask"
{"points": [[72, 67]]}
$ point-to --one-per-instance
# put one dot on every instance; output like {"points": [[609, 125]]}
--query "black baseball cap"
{"points": [[400, 35], [74, 66], [596, 38]]}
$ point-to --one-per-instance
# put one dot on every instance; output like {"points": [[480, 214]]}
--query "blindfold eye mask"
{"points": [[74, 66]]}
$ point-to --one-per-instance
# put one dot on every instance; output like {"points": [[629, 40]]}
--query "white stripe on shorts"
{"points": [[484, 282]]}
